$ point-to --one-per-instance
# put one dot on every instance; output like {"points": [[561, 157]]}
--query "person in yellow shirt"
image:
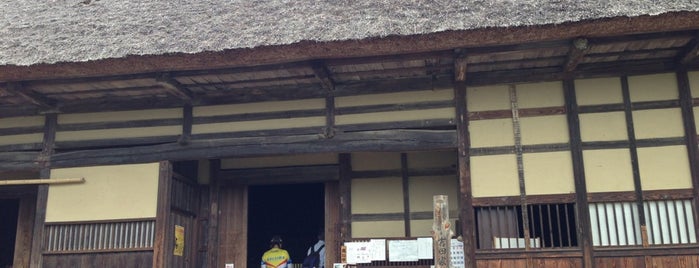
{"points": [[276, 257]]}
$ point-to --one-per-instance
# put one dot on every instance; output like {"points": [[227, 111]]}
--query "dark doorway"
{"points": [[9, 211], [296, 212]]}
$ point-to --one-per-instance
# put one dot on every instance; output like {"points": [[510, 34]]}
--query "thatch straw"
{"points": [[50, 31]]}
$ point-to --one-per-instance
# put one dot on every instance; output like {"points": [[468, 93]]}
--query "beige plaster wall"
{"points": [[423, 189], [658, 123], [21, 139], [375, 161], [378, 229], [381, 195], [548, 94], [494, 175], [609, 126], [280, 161], [18, 122], [432, 159], [395, 98], [21, 121], [664, 168], [694, 83], [422, 228], [258, 107], [491, 133], [653, 87], [548, 173], [269, 124], [120, 116], [598, 91], [608, 170], [396, 116], [488, 98], [544, 129], [109, 192]]}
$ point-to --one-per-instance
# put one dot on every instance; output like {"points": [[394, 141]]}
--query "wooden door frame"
{"points": [[326, 174], [25, 221]]}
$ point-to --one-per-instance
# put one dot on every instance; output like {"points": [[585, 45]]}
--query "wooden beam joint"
{"points": [[460, 67], [577, 52], [29, 95], [323, 75], [174, 87], [691, 53]]}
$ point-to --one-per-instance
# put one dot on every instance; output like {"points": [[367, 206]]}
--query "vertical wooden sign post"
{"points": [[441, 232]]}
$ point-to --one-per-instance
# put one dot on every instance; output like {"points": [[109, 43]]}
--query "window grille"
{"points": [[617, 223], [550, 226]]}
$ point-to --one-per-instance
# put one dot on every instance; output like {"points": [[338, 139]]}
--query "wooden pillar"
{"points": [[214, 189], [466, 215], [163, 228], [187, 119], [333, 222], [584, 230], [690, 134], [51, 122], [345, 197], [406, 193]]}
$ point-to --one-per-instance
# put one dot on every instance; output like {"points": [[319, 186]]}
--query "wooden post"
{"points": [[582, 207], [161, 246], [212, 246], [42, 192], [441, 232], [690, 133], [345, 198], [466, 214]]}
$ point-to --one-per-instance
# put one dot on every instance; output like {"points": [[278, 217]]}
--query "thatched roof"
{"points": [[52, 31]]}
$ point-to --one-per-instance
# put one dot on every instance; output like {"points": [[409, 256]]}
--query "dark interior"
{"points": [[293, 211]]}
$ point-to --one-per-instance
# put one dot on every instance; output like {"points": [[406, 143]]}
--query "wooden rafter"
{"points": [[29, 95], [323, 75], [578, 49], [175, 88], [691, 54]]}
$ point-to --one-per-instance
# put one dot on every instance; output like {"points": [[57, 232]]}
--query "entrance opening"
{"points": [[293, 211], [9, 212]]}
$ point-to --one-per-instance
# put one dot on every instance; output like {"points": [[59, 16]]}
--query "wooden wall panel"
{"points": [[502, 263], [678, 261], [233, 226], [621, 262], [137, 259]]}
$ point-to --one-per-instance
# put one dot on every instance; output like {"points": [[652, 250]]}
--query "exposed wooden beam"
{"points": [[576, 54], [174, 87], [387, 140], [29, 95], [691, 53]]}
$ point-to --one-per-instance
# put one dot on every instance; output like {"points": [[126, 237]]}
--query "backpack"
{"points": [[313, 259]]}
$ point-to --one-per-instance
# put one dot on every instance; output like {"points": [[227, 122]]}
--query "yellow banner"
{"points": [[179, 240]]}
